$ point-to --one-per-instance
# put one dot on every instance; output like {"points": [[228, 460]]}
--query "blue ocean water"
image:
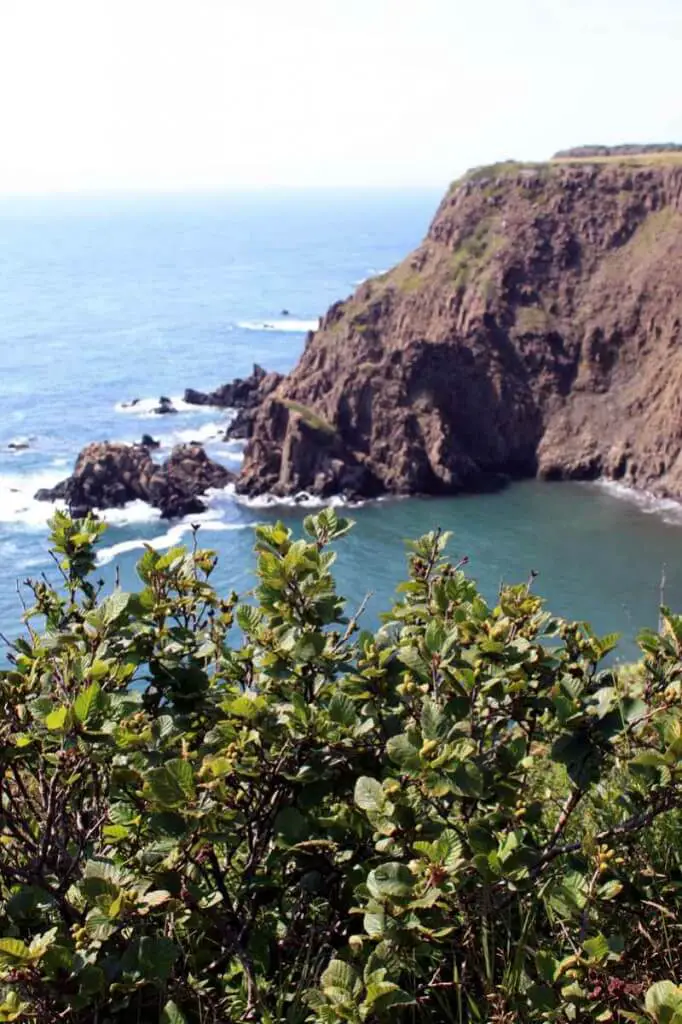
{"points": [[104, 299]]}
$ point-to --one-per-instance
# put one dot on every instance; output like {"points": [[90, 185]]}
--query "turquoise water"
{"points": [[104, 300]]}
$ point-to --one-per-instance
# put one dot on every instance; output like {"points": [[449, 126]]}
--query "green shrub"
{"points": [[460, 817]]}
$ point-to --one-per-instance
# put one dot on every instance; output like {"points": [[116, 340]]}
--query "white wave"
{"points": [[300, 500], [669, 509], [167, 540], [283, 326], [17, 502], [146, 407], [131, 514], [212, 431]]}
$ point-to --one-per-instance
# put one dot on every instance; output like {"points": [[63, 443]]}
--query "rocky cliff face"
{"points": [[536, 330]]}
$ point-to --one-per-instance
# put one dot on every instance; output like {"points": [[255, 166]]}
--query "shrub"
{"points": [[215, 811]]}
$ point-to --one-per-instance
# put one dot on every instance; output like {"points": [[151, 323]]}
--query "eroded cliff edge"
{"points": [[536, 330]]}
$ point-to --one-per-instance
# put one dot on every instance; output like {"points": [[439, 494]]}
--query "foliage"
{"points": [[214, 811]]}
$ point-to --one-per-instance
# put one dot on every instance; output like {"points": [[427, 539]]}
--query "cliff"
{"points": [[536, 330]]}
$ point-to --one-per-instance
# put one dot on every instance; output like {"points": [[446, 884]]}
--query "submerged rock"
{"points": [[109, 475]]}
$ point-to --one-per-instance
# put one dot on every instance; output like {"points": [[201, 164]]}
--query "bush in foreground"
{"points": [[216, 812]]}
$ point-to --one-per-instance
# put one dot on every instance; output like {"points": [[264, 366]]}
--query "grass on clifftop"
{"points": [[627, 160]]}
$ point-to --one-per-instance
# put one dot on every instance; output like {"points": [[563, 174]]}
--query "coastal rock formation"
{"points": [[536, 330], [243, 395], [108, 475]]}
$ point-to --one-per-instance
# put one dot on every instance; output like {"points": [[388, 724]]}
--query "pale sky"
{"points": [[182, 94]]}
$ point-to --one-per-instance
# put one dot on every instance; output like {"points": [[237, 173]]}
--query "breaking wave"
{"points": [[146, 407], [166, 540], [280, 326], [667, 508], [18, 505]]}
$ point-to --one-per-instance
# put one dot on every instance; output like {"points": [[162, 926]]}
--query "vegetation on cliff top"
{"points": [[216, 811]]}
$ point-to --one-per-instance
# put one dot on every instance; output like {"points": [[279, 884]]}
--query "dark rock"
{"points": [[285, 312], [165, 407], [148, 441], [109, 475], [56, 493], [242, 393]]}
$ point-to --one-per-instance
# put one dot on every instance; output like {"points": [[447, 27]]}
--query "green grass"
{"points": [[632, 160], [474, 250], [310, 417]]}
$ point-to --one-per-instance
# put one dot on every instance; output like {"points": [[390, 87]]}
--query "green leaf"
{"points": [[403, 753], [99, 925], [292, 826], [115, 833], [113, 606], [369, 795], [340, 982], [156, 957], [381, 995], [597, 948], [12, 950], [172, 785], [172, 1014], [86, 702], [309, 647], [91, 980], [546, 965], [56, 719], [663, 1000], [342, 710], [389, 880], [433, 722]]}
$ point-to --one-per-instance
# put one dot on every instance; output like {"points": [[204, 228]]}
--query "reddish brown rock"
{"points": [[535, 330]]}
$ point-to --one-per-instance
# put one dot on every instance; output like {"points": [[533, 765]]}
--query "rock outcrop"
{"points": [[536, 330], [108, 475], [244, 395]]}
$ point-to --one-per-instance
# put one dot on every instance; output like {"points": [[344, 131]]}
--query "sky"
{"points": [[193, 94]]}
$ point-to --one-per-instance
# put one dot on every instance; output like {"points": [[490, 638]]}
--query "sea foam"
{"points": [[280, 326], [667, 508], [145, 407], [18, 505]]}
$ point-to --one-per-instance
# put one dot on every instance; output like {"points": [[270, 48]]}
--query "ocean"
{"points": [[107, 299]]}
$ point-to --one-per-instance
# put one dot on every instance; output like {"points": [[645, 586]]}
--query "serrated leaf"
{"points": [[86, 702], [342, 710], [172, 785], [434, 724], [340, 982], [113, 606], [99, 925], [12, 950]]}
